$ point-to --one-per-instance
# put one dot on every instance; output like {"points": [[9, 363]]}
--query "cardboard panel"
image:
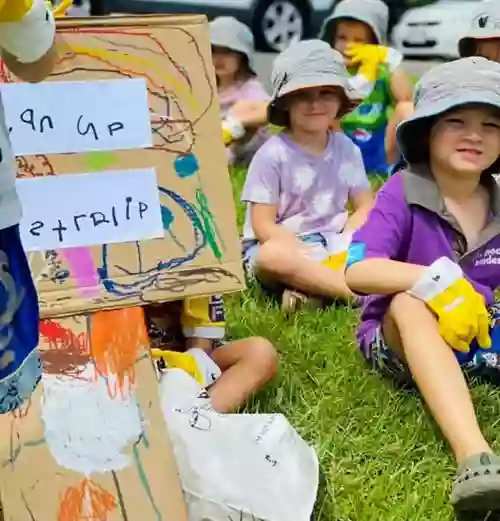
{"points": [[91, 444], [200, 253]]}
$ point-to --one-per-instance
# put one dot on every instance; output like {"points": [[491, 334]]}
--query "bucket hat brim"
{"points": [[228, 43], [407, 130], [467, 45], [278, 115]]}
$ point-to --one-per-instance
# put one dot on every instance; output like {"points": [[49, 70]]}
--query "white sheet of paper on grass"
{"points": [[73, 210], [60, 117]]}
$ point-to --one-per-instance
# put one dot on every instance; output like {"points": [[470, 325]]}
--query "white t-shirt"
{"points": [[27, 40]]}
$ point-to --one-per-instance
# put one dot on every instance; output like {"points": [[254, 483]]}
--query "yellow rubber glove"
{"points": [[460, 309], [14, 10], [371, 57], [232, 130], [174, 360], [194, 362], [59, 11], [338, 255]]}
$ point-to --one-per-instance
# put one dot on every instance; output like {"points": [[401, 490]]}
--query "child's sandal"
{"points": [[293, 300], [477, 485]]}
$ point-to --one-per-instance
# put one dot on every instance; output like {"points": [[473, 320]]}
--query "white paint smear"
{"points": [[61, 117], [85, 429]]}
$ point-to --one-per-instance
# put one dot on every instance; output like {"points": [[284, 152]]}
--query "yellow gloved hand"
{"points": [[460, 309], [338, 255], [232, 130], [370, 57], [195, 362], [59, 10], [336, 262], [14, 10], [174, 360]]}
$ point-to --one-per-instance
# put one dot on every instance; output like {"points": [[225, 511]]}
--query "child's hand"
{"points": [[460, 309], [14, 10], [232, 130], [370, 57]]}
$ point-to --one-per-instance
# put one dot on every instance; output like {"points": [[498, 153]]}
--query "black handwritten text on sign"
{"points": [[113, 216], [73, 117], [67, 211]]}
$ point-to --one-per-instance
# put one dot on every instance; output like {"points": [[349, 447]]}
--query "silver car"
{"points": [[275, 23]]}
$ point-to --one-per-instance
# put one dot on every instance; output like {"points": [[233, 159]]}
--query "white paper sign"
{"points": [[59, 117], [89, 209]]}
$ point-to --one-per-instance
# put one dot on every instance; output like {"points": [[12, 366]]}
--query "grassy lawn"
{"points": [[381, 458]]}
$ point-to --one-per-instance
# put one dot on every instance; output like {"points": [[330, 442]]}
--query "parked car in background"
{"points": [[434, 30], [275, 23]]}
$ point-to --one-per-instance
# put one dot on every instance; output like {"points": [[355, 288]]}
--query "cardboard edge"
{"points": [[61, 310], [164, 20]]}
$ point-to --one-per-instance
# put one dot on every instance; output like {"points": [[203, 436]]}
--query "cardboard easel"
{"points": [[92, 443]]}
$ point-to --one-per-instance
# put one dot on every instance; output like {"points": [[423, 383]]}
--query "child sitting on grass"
{"points": [[242, 97], [428, 257], [189, 335], [299, 183], [483, 38], [358, 30]]}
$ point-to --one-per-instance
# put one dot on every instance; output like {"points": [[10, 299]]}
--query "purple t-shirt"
{"points": [[310, 191], [249, 90], [409, 223]]}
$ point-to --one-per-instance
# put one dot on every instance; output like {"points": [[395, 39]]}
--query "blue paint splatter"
{"points": [[167, 217], [149, 277], [186, 166]]}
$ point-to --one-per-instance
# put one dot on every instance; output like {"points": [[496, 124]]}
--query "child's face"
{"points": [[312, 110], [227, 63], [489, 49], [348, 32], [466, 141]]}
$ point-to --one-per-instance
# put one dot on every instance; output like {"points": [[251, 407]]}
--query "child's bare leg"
{"points": [[280, 262], [246, 366], [412, 331]]}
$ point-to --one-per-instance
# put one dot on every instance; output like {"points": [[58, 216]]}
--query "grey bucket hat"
{"points": [[307, 64], [226, 31], [373, 13], [485, 25], [467, 81]]}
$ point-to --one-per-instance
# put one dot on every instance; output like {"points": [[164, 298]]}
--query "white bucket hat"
{"points": [[307, 64], [485, 25], [373, 13], [226, 31], [469, 81]]}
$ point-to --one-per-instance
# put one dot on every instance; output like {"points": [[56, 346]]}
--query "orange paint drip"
{"points": [[118, 338], [86, 501]]}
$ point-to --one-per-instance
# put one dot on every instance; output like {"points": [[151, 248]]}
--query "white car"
{"points": [[434, 30], [275, 23]]}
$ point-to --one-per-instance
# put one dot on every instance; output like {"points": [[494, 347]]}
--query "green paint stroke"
{"points": [[95, 161], [208, 223], [144, 481]]}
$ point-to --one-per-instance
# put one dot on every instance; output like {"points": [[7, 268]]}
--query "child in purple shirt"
{"points": [[300, 181], [429, 258]]}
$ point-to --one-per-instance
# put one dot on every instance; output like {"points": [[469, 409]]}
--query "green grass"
{"points": [[382, 459]]}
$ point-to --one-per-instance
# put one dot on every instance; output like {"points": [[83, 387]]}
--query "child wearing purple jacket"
{"points": [[429, 259]]}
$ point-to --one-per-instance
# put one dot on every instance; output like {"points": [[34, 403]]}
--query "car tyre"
{"points": [[278, 23]]}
